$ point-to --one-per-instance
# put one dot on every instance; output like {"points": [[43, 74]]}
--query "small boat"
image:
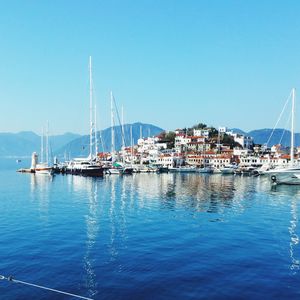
{"points": [[228, 169], [183, 169], [206, 170]]}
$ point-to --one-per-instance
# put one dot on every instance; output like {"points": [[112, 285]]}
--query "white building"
{"points": [[201, 132]]}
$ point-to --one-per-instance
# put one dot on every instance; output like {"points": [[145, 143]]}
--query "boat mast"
{"points": [[112, 124], [292, 129], [131, 141], [47, 143], [123, 138], [42, 145], [96, 139], [91, 108]]}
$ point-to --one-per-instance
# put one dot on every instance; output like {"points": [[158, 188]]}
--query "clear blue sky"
{"points": [[169, 63]]}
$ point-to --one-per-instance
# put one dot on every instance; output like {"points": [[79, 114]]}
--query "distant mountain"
{"points": [[24, 143], [13, 144], [80, 147], [279, 136], [262, 136], [238, 131]]}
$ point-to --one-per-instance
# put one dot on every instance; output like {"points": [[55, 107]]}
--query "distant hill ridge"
{"points": [[80, 146], [279, 136], [22, 144]]}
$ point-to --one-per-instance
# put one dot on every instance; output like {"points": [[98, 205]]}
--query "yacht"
{"points": [[291, 173]]}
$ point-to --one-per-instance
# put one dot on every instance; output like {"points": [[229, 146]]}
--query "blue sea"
{"points": [[148, 236]]}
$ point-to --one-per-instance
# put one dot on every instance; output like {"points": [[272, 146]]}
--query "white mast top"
{"points": [[292, 127], [91, 109]]}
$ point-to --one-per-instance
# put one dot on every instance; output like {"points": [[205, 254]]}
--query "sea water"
{"points": [[148, 236]]}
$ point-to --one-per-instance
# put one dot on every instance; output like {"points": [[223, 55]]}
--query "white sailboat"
{"points": [[291, 173], [88, 166], [44, 167]]}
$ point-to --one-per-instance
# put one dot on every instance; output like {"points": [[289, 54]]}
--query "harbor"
{"points": [[149, 150]]}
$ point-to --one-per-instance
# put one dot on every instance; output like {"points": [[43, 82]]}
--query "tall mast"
{"points": [[112, 124], [47, 143], [292, 129], [42, 145], [123, 134], [96, 139], [91, 108], [131, 141], [123, 137]]}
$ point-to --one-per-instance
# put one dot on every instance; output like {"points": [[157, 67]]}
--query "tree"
{"points": [[200, 126], [169, 138]]}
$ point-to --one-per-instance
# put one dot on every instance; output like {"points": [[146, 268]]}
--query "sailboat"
{"points": [[117, 168], [291, 173], [87, 166], [44, 167]]}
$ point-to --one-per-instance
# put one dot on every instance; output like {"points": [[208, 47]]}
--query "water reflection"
{"points": [[294, 237], [113, 219], [116, 209], [40, 182], [40, 185], [92, 224], [87, 188], [203, 193]]}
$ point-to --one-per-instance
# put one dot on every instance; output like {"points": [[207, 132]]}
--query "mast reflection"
{"points": [[89, 186], [294, 238]]}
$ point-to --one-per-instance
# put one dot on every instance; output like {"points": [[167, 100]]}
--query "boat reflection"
{"points": [[294, 238], [92, 219]]}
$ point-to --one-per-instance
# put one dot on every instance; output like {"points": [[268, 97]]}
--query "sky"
{"points": [[169, 63]]}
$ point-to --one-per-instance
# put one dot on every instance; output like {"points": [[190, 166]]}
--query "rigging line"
{"points": [[11, 279], [118, 116], [284, 130], [279, 117]]}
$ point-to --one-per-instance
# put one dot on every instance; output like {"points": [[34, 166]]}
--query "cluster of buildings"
{"points": [[204, 147]]}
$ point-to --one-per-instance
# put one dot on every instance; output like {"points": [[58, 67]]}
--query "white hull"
{"points": [[114, 171], [183, 170], [289, 176], [49, 171], [205, 170], [227, 171]]}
